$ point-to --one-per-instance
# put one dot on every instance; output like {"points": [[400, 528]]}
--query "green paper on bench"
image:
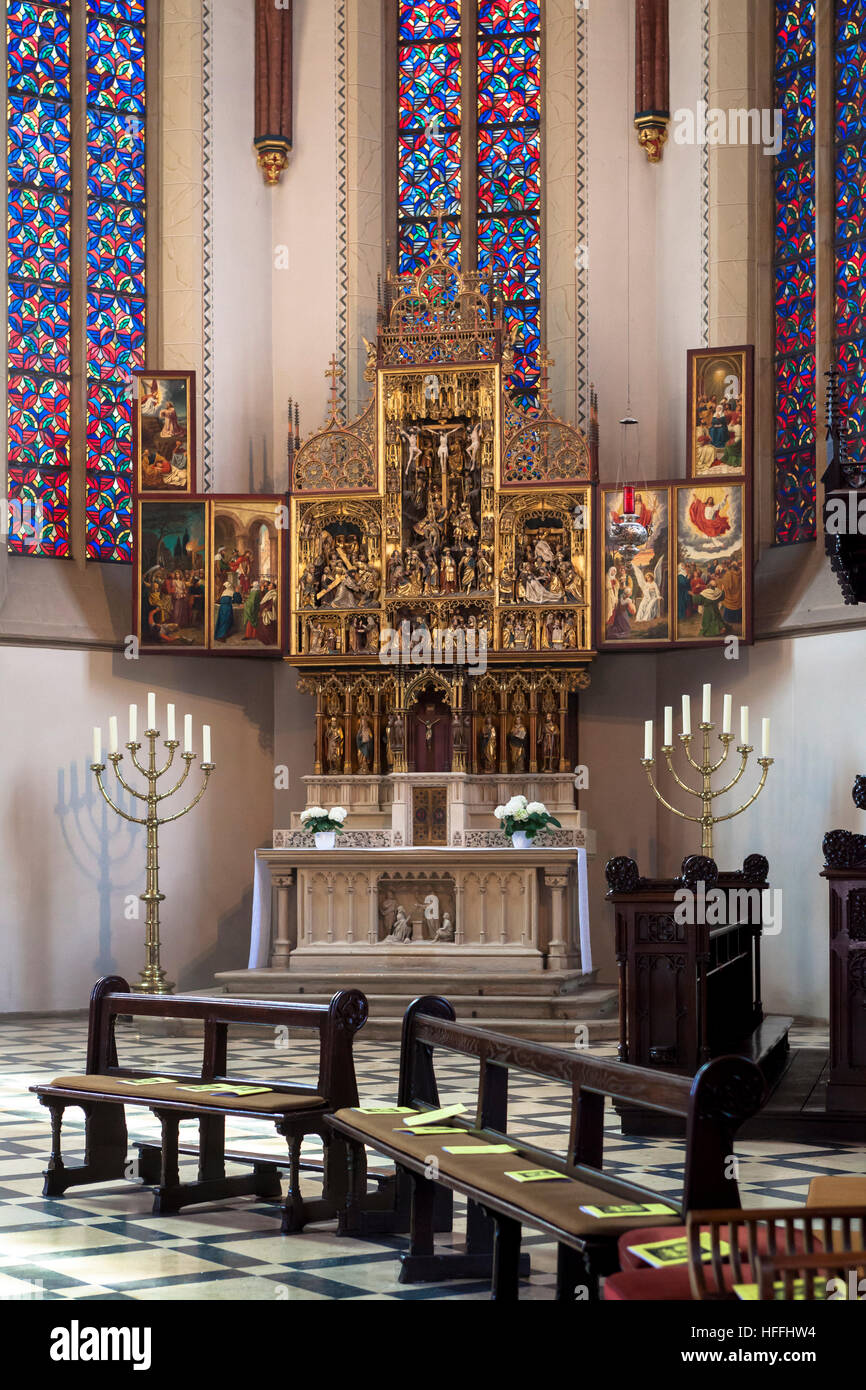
{"points": [[478, 1149], [749, 1292], [147, 1080], [224, 1088], [630, 1209], [536, 1175], [661, 1253], [383, 1110], [429, 1129], [433, 1117]]}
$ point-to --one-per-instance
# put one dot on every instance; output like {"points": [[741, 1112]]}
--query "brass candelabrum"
{"points": [[705, 793], [153, 978]]}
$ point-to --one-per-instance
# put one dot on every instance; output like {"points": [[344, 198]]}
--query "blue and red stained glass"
{"points": [[794, 270], [115, 309], [850, 254], [429, 113], [109, 517], [429, 19], [37, 38], [38, 276], [509, 172], [38, 512]]}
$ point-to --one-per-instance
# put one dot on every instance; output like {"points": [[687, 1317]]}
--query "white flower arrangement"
{"points": [[317, 819], [528, 816]]}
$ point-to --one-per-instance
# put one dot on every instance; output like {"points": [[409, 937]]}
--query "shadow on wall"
{"points": [[230, 950], [245, 684], [107, 851]]}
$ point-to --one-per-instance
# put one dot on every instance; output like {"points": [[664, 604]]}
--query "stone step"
{"points": [[559, 1032], [587, 1005], [268, 984]]}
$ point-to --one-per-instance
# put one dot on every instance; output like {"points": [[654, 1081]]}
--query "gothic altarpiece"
{"points": [[440, 593]]}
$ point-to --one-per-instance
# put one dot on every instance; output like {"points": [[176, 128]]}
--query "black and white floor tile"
{"points": [[103, 1243]]}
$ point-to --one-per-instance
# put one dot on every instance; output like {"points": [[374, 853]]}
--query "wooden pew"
{"points": [[723, 1094], [295, 1109]]}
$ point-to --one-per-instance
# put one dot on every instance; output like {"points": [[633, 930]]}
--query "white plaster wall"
{"points": [[241, 445], [679, 241], [303, 298], [68, 865]]}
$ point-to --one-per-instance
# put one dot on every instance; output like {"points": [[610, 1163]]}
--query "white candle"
{"points": [[648, 739], [205, 739], [708, 705], [151, 710], [112, 734], [133, 723], [744, 726], [187, 733], [765, 738], [669, 726], [169, 719], [97, 745], [687, 714], [727, 714]]}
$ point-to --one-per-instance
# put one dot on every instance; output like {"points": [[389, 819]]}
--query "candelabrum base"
{"points": [[153, 984]]}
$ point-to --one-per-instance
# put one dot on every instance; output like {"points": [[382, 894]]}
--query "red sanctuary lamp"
{"points": [[628, 533]]}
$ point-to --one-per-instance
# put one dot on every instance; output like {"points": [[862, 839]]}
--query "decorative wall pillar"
{"points": [[652, 76], [282, 944], [273, 133]]}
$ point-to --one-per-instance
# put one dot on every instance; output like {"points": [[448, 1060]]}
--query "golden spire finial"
{"points": [[335, 371], [545, 362]]}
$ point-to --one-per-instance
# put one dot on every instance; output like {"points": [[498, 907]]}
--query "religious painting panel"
{"points": [[713, 558], [635, 579], [163, 432], [719, 399], [171, 567], [247, 575]]}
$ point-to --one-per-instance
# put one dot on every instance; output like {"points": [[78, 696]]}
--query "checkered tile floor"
{"points": [[102, 1242]]}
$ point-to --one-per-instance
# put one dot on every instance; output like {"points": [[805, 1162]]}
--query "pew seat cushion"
{"points": [[556, 1201], [670, 1285], [647, 1235], [269, 1102]]}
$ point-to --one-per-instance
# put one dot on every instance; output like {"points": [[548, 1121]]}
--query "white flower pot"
{"points": [[521, 840], [325, 839]]}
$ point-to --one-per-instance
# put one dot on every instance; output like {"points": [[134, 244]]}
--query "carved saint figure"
{"points": [[489, 739], [446, 931], [334, 745], [393, 739], [431, 914], [518, 743], [364, 745], [548, 737], [402, 928]]}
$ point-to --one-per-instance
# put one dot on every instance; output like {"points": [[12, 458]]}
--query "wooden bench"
{"points": [[723, 1094], [295, 1109]]}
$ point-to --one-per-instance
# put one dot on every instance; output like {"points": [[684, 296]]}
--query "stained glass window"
{"points": [[115, 312], [38, 271], [509, 171], [794, 261], [503, 133], [429, 140], [850, 278], [43, 97]]}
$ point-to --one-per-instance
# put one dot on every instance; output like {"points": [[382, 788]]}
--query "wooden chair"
{"points": [[808, 1277], [766, 1235]]}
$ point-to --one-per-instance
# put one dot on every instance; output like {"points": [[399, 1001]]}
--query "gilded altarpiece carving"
{"points": [[441, 553]]}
